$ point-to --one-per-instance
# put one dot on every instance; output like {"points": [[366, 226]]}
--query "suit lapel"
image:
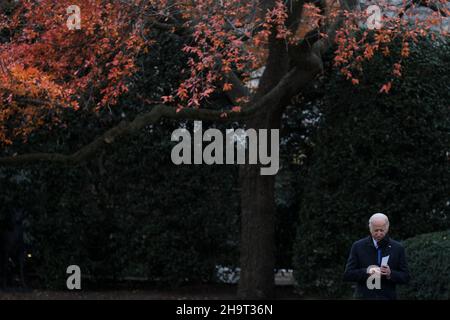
{"points": [[369, 242]]}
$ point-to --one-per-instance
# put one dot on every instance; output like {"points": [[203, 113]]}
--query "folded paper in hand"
{"points": [[384, 261]]}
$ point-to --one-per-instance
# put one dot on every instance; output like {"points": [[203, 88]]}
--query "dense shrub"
{"points": [[429, 264], [132, 213]]}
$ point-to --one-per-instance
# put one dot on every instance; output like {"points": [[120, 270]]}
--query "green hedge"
{"points": [[429, 264], [137, 215], [375, 153]]}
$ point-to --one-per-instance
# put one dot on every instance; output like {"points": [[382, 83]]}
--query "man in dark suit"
{"points": [[377, 280]]}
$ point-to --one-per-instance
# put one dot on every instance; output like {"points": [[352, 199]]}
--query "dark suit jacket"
{"points": [[364, 254]]}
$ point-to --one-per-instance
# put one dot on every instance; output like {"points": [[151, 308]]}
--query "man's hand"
{"points": [[373, 269], [386, 271]]}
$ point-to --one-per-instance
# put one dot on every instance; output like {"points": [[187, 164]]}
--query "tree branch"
{"points": [[266, 103]]}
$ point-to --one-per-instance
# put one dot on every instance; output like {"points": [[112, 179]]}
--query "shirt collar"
{"points": [[375, 243]]}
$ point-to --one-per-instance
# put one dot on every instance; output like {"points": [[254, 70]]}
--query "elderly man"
{"points": [[377, 263]]}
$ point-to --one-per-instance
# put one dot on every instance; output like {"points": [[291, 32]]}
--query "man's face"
{"points": [[379, 229]]}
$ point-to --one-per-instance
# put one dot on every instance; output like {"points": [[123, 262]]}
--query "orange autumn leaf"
{"points": [[405, 50], [227, 86], [397, 70], [386, 87]]}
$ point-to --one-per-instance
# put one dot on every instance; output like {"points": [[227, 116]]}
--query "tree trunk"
{"points": [[257, 255], [257, 247], [257, 258]]}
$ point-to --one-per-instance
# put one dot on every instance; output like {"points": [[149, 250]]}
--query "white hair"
{"points": [[377, 216]]}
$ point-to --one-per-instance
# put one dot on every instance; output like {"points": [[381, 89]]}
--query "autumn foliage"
{"points": [[45, 67], [355, 47]]}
